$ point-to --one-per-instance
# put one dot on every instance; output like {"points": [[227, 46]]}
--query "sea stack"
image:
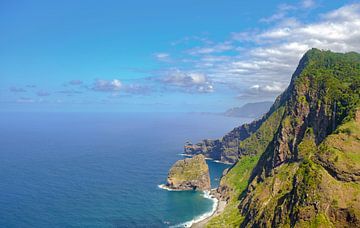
{"points": [[189, 174]]}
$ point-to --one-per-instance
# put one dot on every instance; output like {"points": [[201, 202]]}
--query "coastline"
{"points": [[220, 206], [217, 207], [206, 158], [201, 220], [164, 187]]}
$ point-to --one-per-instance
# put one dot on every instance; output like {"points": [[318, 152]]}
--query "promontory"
{"points": [[189, 174]]}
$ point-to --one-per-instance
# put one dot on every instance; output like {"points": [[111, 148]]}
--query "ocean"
{"points": [[100, 169]]}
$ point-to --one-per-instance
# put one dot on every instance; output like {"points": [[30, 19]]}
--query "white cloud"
{"points": [[283, 10], [270, 56], [114, 85], [75, 82], [271, 88], [162, 56], [262, 60], [276, 33], [217, 48], [268, 91], [308, 3], [275, 17], [206, 89], [190, 81], [25, 100], [137, 89]]}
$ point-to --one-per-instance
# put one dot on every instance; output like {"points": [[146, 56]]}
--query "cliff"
{"points": [[227, 148], [236, 143], [298, 166], [189, 174]]}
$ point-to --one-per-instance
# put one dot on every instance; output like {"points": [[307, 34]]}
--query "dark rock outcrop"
{"points": [[227, 148]]}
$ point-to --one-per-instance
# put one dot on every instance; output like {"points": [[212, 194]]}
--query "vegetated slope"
{"points": [[229, 148], [189, 173], [301, 166]]}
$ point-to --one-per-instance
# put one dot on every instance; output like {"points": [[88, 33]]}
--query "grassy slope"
{"points": [[237, 178], [188, 169], [237, 181], [320, 199]]}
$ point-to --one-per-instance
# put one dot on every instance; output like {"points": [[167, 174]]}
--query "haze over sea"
{"points": [[100, 169]]}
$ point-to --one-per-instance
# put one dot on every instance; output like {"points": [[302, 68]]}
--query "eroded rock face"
{"points": [[189, 174], [227, 148], [308, 174]]}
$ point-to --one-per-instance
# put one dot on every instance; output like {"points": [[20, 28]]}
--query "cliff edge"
{"points": [[299, 165]]}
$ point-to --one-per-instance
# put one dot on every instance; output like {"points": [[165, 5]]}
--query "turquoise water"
{"points": [[99, 170]]}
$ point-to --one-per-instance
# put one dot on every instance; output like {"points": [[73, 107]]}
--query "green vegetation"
{"points": [[332, 78], [190, 173], [309, 175], [307, 147], [188, 169], [341, 149], [258, 141], [236, 181]]}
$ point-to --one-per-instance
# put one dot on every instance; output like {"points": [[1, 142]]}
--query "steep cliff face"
{"points": [[306, 172], [228, 149], [189, 174]]}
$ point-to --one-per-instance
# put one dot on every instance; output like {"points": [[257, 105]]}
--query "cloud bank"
{"points": [[261, 62]]}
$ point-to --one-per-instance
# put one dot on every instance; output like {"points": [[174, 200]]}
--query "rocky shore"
{"points": [[220, 206]]}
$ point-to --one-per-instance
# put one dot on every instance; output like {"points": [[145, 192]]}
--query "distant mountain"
{"points": [[250, 110]]}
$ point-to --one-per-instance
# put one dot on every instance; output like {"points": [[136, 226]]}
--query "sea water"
{"points": [[100, 169]]}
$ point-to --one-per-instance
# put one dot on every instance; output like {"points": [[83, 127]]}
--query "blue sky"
{"points": [[126, 56]]}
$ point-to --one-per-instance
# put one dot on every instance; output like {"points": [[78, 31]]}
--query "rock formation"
{"points": [[189, 174], [299, 165]]}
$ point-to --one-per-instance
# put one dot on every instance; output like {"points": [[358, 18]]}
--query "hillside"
{"points": [[298, 166]]}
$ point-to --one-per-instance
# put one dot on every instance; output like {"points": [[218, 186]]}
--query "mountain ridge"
{"points": [[250, 110], [284, 162]]}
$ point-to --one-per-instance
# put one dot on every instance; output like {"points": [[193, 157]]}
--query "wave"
{"points": [[207, 195], [206, 158], [186, 155], [164, 187], [226, 163]]}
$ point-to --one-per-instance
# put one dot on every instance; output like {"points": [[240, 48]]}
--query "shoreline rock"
{"points": [[189, 174]]}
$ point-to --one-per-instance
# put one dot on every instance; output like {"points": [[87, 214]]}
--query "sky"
{"points": [[160, 55]]}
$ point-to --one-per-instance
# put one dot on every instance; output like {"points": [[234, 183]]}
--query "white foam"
{"points": [[207, 195], [186, 155], [226, 163], [163, 186], [210, 159]]}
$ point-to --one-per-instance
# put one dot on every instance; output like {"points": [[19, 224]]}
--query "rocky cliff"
{"points": [[298, 166], [227, 148], [189, 174], [231, 147]]}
